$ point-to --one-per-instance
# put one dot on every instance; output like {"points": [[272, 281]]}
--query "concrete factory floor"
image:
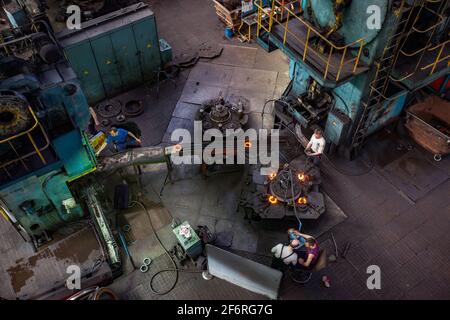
{"points": [[398, 218], [392, 205]]}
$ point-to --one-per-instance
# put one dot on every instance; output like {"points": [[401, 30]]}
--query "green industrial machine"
{"points": [[115, 52], [46, 85], [366, 55], [43, 147]]}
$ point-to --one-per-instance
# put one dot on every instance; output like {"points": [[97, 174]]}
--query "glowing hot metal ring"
{"points": [[285, 187], [272, 200], [302, 177]]}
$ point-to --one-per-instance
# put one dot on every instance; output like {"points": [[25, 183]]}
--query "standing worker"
{"points": [[122, 140], [316, 146], [284, 255]]}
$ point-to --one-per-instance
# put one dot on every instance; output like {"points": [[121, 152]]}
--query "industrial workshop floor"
{"points": [[395, 215], [398, 218]]}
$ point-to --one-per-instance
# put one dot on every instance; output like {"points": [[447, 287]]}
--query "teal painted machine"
{"points": [[366, 55], [48, 82], [115, 52], [43, 147]]}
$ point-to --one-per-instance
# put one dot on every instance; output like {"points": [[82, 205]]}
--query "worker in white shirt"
{"points": [[316, 146], [284, 255]]}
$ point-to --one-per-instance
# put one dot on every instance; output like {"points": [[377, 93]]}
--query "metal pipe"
{"points": [[133, 157]]}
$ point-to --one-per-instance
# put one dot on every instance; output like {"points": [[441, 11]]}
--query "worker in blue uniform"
{"points": [[122, 140]]}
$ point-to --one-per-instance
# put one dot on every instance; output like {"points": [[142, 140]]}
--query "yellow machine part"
{"points": [[3, 213], [98, 141]]}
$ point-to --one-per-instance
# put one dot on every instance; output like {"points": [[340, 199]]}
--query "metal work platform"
{"points": [[433, 64], [329, 60], [327, 66]]}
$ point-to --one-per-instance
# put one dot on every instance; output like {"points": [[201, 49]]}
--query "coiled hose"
{"points": [[175, 267]]}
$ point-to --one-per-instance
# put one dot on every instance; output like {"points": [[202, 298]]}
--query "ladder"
{"points": [[378, 87]]}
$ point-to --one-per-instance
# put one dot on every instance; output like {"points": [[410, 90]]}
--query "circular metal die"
{"points": [[220, 114], [133, 108], [109, 109], [285, 186]]}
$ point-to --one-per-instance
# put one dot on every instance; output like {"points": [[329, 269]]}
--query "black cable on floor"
{"points": [[175, 267], [165, 250]]}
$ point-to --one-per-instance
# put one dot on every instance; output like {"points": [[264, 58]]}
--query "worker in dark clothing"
{"points": [[122, 140]]}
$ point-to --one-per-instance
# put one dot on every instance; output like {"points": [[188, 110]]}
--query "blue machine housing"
{"points": [[349, 94], [40, 197], [41, 159], [296, 34]]}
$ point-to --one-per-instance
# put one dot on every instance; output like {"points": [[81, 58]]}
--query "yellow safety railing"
{"points": [[440, 49], [280, 13], [427, 49], [27, 134]]}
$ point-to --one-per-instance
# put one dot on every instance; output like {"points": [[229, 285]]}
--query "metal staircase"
{"points": [[385, 65]]}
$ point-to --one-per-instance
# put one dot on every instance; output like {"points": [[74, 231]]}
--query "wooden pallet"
{"points": [[231, 18]]}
